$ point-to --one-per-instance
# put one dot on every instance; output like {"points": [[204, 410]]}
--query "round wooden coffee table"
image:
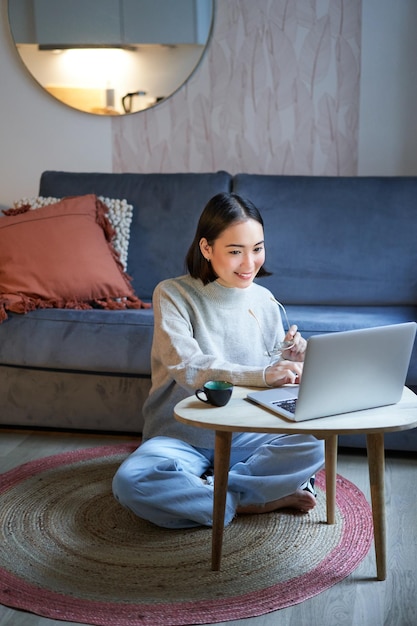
{"points": [[240, 415]]}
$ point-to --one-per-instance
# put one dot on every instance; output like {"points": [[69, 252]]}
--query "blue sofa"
{"points": [[341, 249]]}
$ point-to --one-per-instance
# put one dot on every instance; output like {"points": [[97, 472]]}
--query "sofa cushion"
{"points": [[95, 340], [166, 211], [337, 240], [61, 256], [119, 215]]}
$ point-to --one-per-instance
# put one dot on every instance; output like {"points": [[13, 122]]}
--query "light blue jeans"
{"points": [[161, 480]]}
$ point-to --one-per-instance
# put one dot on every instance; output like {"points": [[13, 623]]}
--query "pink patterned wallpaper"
{"points": [[277, 92]]}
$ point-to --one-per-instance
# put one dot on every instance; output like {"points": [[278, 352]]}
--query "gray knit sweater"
{"points": [[205, 333]]}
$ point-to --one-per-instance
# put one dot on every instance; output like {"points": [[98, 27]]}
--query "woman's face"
{"points": [[237, 254]]}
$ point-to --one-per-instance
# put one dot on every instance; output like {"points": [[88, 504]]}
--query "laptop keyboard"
{"points": [[288, 405]]}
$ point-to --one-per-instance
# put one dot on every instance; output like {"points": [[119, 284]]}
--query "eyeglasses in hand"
{"points": [[275, 353]]}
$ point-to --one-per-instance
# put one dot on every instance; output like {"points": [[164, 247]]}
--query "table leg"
{"points": [[221, 475], [376, 464], [330, 456]]}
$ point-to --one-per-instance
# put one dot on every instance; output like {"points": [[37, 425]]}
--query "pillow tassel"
{"points": [[3, 314], [131, 302], [72, 303], [21, 304], [25, 305], [103, 221], [24, 208]]}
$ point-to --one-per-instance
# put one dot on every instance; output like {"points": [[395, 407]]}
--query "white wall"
{"points": [[388, 102], [39, 133]]}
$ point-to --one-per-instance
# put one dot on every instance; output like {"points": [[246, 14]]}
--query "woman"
{"points": [[215, 323]]}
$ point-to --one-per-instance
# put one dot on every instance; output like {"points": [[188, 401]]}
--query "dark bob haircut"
{"points": [[220, 212]]}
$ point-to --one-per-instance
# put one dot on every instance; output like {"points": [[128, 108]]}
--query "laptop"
{"points": [[346, 371]]}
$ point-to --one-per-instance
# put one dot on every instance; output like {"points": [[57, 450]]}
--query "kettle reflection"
{"points": [[127, 100]]}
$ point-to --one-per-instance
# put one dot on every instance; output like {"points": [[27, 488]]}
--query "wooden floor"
{"points": [[359, 600]]}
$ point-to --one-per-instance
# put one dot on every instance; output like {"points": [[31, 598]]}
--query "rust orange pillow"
{"points": [[61, 256]]}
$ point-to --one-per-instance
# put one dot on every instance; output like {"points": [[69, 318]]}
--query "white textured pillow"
{"points": [[120, 215]]}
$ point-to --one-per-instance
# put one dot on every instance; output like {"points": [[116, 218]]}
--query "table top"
{"points": [[241, 415]]}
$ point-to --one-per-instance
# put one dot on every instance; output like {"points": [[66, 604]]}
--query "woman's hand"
{"points": [[297, 350], [283, 372], [290, 367]]}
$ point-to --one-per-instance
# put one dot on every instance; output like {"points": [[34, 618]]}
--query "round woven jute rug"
{"points": [[69, 551]]}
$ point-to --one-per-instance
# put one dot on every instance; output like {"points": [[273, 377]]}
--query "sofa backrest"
{"points": [[166, 211], [338, 240], [329, 240]]}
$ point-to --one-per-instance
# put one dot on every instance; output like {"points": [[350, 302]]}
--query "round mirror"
{"points": [[111, 57]]}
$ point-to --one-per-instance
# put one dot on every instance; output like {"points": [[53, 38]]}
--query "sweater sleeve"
{"points": [[177, 354]]}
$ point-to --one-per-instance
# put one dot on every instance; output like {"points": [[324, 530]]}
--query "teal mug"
{"points": [[216, 392]]}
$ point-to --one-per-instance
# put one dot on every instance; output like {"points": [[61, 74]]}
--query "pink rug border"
{"points": [[338, 564]]}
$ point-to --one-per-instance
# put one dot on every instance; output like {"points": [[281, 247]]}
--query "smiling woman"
{"points": [[111, 57], [203, 331]]}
